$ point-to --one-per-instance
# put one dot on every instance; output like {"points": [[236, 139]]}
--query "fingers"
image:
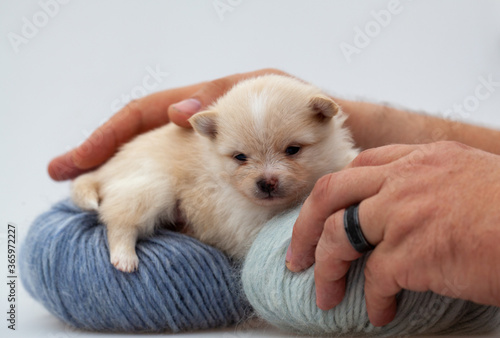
{"points": [[180, 112], [380, 289], [334, 252], [140, 116], [331, 193], [382, 155], [137, 117], [333, 256], [62, 167], [362, 179]]}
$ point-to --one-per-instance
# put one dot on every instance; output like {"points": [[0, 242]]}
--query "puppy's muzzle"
{"points": [[268, 186]]}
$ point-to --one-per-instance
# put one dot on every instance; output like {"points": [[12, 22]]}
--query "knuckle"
{"points": [[324, 252], [413, 162], [327, 244], [132, 106], [384, 274], [434, 153], [333, 229], [454, 145], [370, 271], [404, 221], [447, 143], [334, 243], [134, 112], [322, 188], [212, 90], [219, 86], [446, 149], [377, 270], [365, 158], [376, 278]]}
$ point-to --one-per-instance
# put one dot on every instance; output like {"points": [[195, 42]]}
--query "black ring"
{"points": [[353, 230]]}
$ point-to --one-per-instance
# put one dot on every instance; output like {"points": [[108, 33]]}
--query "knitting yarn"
{"points": [[287, 300], [181, 284]]}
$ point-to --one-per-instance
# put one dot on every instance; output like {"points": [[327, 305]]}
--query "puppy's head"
{"points": [[273, 137]]}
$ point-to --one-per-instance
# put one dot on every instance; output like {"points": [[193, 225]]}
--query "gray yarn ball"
{"points": [[287, 300]]}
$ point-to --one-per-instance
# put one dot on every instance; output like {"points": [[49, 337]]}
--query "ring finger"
{"points": [[335, 252]]}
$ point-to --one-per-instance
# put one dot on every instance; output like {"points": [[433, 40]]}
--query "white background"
{"points": [[90, 56]]}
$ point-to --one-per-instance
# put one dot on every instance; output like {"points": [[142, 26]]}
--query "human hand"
{"points": [[176, 105], [432, 213]]}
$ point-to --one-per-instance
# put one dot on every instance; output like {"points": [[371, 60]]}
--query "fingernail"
{"points": [[288, 254], [188, 106]]}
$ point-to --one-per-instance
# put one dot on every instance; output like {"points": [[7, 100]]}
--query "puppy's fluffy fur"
{"points": [[254, 153]]}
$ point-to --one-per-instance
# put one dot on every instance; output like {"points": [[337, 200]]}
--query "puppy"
{"points": [[254, 153]]}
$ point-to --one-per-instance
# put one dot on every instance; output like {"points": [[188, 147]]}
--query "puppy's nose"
{"points": [[268, 185]]}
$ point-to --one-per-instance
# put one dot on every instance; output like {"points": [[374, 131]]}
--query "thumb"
{"points": [[180, 112]]}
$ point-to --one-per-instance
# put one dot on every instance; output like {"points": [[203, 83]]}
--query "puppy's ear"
{"points": [[205, 123], [324, 107]]}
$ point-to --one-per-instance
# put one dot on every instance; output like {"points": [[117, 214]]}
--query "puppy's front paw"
{"points": [[126, 262]]}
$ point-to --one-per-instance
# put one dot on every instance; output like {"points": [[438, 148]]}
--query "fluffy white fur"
{"points": [[171, 172]]}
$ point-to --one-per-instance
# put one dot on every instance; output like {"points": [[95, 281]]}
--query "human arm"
{"points": [[375, 125], [140, 116], [372, 125]]}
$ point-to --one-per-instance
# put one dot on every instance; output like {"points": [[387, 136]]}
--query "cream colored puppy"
{"points": [[254, 153]]}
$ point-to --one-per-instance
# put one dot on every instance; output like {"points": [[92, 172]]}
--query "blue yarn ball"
{"points": [[181, 284], [287, 300]]}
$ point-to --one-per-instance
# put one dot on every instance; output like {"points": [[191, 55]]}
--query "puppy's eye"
{"points": [[292, 150], [240, 157]]}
